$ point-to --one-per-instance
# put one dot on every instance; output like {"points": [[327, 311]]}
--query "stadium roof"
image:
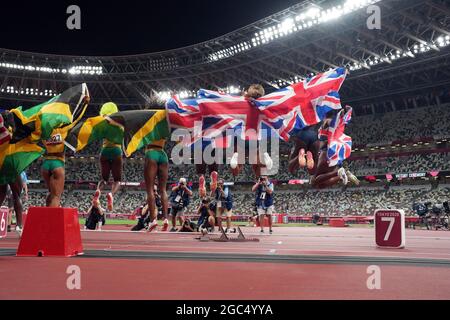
{"points": [[410, 53]]}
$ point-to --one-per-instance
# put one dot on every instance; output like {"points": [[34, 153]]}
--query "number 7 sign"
{"points": [[3, 223], [390, 228]]}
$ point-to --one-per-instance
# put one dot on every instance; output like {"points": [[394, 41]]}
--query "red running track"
{"points": [[303, 263]]}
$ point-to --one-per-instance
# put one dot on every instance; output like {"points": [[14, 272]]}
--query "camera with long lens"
{"points": [[421, 209]]}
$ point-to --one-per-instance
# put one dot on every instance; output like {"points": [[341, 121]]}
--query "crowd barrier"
{"points": [[278, 218]]}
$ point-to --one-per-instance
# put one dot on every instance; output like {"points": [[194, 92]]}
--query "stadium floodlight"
{"points": [[233, 90], [31, 68], [313, 12], [29, 91], [183, 94], [164, 95], [287, 25]]}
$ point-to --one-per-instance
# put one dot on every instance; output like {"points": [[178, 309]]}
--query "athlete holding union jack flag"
{"points": [[288, 111], [335, 147]]}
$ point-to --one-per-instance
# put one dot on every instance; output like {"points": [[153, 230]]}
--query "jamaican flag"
{"points": [[93, 129], [142, 128], [133, 129], [16, 158], [63, 110]]}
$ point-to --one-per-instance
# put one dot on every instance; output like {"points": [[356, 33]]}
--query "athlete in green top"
{"points": [[111, 161]]}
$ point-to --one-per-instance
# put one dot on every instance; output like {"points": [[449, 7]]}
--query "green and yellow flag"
{"points": [[141, 128], [132, 129], [63, 110], [93, 129], [16, 158]]}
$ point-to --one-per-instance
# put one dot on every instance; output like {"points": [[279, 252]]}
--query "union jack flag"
{"points": [[339, 144], [183, 113], [303, 104], [221, 111], [296, 107]]}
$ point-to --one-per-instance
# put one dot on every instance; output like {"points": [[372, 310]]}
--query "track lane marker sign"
{"points": [[390, 228], [3, 223]]}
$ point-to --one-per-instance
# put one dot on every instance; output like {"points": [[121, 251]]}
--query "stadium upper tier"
{"points": [[409, 53]]}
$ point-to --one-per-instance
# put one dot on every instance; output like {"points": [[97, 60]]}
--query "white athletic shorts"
{"points": [[268, 212], [224, 212]]}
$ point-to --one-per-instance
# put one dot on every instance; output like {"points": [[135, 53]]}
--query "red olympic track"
{"points": [[293, 263]]}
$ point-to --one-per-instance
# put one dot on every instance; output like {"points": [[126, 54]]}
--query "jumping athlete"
{"points": [[157, 167], [110, 161], [306, 149], [254, 92], [326, 176]]}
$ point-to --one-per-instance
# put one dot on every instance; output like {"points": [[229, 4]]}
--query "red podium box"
{"points": [[337, 223], [3, 222], [390, 228], [51, 232]]}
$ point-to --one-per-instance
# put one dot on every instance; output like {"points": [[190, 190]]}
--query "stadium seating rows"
{"points": [[88, 169], [354, 202]]}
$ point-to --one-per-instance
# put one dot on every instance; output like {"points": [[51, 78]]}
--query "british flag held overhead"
{"points": [[296, 107], [302, 104], [339, 144], [183, 113], [221, 111]]}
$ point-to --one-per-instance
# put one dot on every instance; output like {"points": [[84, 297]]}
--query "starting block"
{"points": [[390, 229], [3, 222], [225, 238], [51, 232]]}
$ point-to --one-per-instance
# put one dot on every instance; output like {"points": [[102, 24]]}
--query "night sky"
{"points": [[127, 27]]}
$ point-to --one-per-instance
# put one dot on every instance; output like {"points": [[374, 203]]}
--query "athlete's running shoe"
{"points": [[214, 179], [165, 226], [302, 158], [309, 160], [152, 226], [352, 177], [110, 200], [343, 176], [19, 231], [268, 161], [234, 162], [202, 186]]}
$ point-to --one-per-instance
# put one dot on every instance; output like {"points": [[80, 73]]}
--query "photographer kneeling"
{"points": [[96, 217], [206, 221], [264, 201]]}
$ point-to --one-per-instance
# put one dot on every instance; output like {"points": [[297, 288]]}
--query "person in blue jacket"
{"points": [[179, 200], [264, 201], [223, 203]]}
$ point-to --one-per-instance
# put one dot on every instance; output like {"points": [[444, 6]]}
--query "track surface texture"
{"points": [[293, 263]]}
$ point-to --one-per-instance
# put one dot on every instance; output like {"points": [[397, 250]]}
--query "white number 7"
{"points": [[391, 221]]}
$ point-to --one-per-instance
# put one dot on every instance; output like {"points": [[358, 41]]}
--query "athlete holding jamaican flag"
{"points": [[136, 129], [14, 157], [20, 131], [111, 161]]}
